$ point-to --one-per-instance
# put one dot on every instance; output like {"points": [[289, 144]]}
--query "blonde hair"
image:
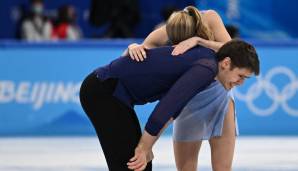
{"points": [[185, 24]]}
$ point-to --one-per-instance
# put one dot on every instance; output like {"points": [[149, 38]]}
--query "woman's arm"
{"points": [[217, 27], [187, 44], [156, 38], [214, 22], [159, 37]]}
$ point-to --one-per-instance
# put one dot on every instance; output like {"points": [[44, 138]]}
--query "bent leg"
{"points": [[222, 148], [116, 125], [186, 155]]}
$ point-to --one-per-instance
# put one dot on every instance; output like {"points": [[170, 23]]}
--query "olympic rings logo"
{"points": [[278, 97]]}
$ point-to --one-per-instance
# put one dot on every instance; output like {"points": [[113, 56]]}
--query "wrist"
{"points": [[198, 40], [146, 142], [141, 146], [132, 45]]}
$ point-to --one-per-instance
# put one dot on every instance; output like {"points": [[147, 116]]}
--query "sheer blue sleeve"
{"points": [[196, 79]]}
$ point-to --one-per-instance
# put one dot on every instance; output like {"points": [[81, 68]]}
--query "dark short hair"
{"points": [[242, 55]]}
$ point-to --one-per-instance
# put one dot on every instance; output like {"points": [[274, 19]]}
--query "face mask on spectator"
{"points": [[37, 9]]}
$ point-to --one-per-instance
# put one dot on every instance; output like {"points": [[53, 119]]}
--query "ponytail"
{"points": [[202, 31], [185, 24]]}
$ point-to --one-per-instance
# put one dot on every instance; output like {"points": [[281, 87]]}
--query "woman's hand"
{"points": [[137, 52], [140, 159], [185, 46]]}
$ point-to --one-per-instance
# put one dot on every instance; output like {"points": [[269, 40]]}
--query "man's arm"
{"points": [[188, 85]]}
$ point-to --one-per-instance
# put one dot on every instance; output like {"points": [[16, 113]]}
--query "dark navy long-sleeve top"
{"points": [[172, 80]]}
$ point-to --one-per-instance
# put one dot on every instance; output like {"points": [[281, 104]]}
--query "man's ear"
{"points": [[226, 62]]}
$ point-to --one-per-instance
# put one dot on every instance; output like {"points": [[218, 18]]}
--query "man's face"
{"points": [[230, 78]]}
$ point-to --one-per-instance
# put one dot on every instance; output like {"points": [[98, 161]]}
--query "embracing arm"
{"points": [[216, 26], [159, 37], [156, 38], [218, 29], [213, 20], [187, 44]]}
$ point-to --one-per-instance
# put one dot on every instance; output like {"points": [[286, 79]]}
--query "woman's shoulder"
{"points": [[208, 12], [210, 16]]}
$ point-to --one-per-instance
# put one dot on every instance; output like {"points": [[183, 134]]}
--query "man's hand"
{"points": [[140, 159]]}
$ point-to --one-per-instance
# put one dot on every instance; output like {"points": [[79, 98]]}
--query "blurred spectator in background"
{"points": [[22, 12], [166, 13], [121, 17], [65, 26], [233, 31], [36, 26]]}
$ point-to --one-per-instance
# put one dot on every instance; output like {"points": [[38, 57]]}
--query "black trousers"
{"points": [[116, 125]]}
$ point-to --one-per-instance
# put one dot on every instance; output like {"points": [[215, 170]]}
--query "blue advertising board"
{"points": [[39, 88], [268, 104]]}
